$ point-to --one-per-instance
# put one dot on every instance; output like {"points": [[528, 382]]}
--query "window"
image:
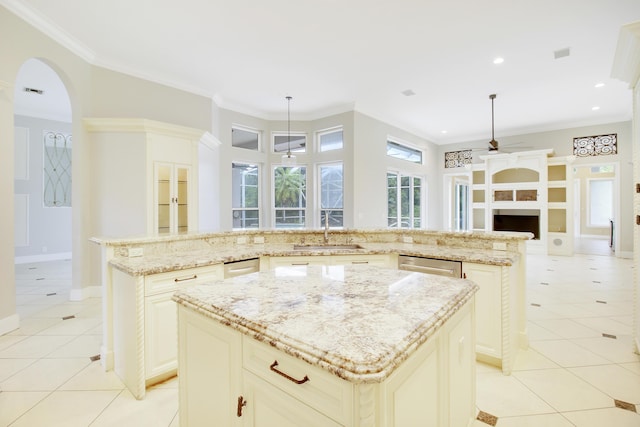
{"points": [[404, 152], [404, 201], [290, 196], [281, 142], [461, 205], [330, 140], [600, 202], [246, 138], [245, 190], [57, 169], [331, 194]]}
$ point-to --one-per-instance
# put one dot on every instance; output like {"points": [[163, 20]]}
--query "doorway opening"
{"points": [[596, 206], [43, 166]]}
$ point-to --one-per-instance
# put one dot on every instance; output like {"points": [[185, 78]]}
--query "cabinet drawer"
{"points": [[380, 260], [322, 391], [171, 280]]}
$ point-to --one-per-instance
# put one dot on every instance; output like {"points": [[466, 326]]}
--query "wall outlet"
{"points": [[499, 246], [135, 252], [242, 240], [258, 239], [407, 239]]}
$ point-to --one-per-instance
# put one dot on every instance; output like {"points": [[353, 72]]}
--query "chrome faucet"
{"points": [[326, 227]]}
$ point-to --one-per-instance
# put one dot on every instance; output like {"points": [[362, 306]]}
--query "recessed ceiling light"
{"points": [[599, 84], [498, 60], [443, 131], [596, 108], [408, 92]]}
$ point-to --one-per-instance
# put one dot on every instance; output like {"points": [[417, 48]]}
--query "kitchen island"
{"points": [[353, 345]]}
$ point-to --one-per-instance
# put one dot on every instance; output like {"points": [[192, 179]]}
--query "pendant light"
{"points": [[288, 159], [493, 144]]}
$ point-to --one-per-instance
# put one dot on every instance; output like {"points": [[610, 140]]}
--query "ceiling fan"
{"points": [[493, 147]]}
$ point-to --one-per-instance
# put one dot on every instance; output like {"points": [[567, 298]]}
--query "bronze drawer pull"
{"points": [[194, 277], [290, 378], [241, 404]]}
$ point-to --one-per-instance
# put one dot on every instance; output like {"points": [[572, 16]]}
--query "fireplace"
{"points": [[527, 221]]}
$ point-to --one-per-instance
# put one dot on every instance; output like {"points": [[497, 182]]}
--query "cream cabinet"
{"points": [[172, 195], [500, 329], [259, 385], [150, 168], [145, 325], [381, 260]]}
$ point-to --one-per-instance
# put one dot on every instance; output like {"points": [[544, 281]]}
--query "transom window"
{"points": [[290, 196], [403, 152], [245, 192], [246, 138], [404, 201], [281, 142], [330, 140]]}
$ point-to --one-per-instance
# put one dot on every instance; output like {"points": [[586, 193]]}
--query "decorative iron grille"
{"points": [[57, 169], [600, 145], [456, 159]]}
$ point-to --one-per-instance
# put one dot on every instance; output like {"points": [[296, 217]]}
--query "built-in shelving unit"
{"points": [[525, 191]]}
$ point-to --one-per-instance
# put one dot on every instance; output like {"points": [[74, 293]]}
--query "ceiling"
{"points": [[340, 55]]}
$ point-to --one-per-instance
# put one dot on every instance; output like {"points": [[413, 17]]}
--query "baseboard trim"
{"points": [[625, 254], [9, 324], [42, 258], [84, 293]]}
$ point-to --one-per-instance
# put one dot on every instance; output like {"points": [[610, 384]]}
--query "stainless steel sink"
{"points": [[324, 247]]}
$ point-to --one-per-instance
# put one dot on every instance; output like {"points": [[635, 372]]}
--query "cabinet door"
{"points": [[210, 366], [164, 197], [462, 373], [268, 406], [172, 194], [488, 307], [161, 335]]}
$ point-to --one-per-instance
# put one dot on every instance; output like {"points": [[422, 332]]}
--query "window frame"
{"points": [[328, 131], [258, 186], [305, 194], [408, 147], [286, 134], [422, 204], [320, 209], [247, 129]]}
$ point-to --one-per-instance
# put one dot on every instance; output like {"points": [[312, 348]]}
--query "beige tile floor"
{"points": [[570, 376]]}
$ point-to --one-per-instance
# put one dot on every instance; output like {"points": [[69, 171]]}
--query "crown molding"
{"points": [[626, 62], [141, 126], [49, 28]]}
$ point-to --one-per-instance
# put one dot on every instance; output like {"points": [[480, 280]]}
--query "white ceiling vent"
{"points": [[32, 90], [562, 53]]}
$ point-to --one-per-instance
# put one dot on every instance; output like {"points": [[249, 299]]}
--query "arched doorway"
{"points": [[42, 178]]}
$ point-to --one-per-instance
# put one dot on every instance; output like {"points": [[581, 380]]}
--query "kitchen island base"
{"points": [[228, 378]]}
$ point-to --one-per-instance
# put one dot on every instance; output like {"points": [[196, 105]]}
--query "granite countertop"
{"points": [[357, 322], [152, 264]]}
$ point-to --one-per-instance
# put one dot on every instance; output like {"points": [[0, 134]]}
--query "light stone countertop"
{"points": [[358, 322], [218, 254]]}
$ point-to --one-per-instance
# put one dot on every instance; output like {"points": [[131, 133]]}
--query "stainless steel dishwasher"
{"points": [[238, 268], [440, 267]]}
